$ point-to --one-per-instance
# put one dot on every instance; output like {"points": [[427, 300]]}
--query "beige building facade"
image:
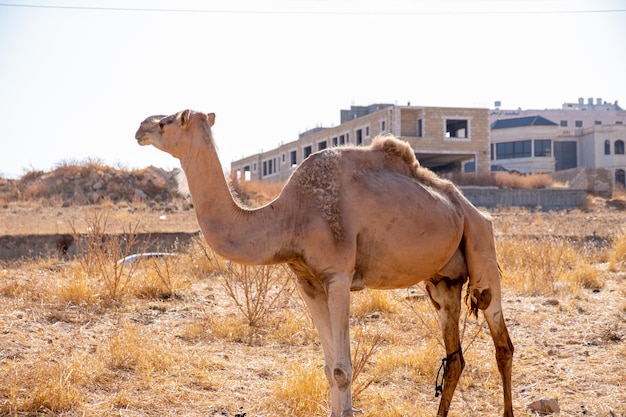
{"points": [[584, 134], [443, 138]]}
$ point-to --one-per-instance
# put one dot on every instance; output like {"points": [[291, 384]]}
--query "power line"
{"points": [[310, 12]]}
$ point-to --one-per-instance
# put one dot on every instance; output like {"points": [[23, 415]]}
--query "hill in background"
{"points": [[91, 183]]}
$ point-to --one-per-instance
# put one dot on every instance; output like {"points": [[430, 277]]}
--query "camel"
{"points": [[351, 218]]}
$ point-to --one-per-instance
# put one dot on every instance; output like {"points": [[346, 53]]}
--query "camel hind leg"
{"points": [[503, 346], [484, 293], [445, 295]]}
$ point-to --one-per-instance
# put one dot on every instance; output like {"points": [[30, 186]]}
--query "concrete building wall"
{"points": [[441, 137]]}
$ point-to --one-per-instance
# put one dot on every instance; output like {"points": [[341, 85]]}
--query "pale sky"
{"points": [[78, 76]]}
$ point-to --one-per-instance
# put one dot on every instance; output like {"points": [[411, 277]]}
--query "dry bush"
{"points": [[544, 266], [201, 260], [299, 391], [619, 194], [87, 285], [525, 182], [129, 350], [257, 291], [365, 344], [368, 302], [418, 363], [256, 193], [102, 254], [77, 288], [617, 255], [55, 387], [506, 180]]}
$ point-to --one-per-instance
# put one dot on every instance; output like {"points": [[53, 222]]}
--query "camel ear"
{"points": [[211, 117], [184, 118]]}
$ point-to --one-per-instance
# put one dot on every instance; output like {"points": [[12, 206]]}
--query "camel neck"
{"points": [[250, 236]]}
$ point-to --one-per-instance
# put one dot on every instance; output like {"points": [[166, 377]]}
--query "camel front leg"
{"points": [[445, 295], [316, 301], [338, 289]]}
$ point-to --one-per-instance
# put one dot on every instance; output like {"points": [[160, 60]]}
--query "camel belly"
{"points": [[405, 243]]}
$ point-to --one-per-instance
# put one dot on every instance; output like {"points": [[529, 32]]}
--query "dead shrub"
{"points": [[102, 254], [617, 254], [364, 347], [256, 290], [543, 266], [520, 181], [370, 301], [256, 193], [298, 391]]}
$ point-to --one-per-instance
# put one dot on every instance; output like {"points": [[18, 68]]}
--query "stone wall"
{"points": [[543, 199], [65, 245]]}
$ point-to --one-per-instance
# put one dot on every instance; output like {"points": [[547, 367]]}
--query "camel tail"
{"points": [[478, 300], [482, 266]]}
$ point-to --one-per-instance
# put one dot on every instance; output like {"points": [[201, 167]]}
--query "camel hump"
{"points": [[396, 148]]}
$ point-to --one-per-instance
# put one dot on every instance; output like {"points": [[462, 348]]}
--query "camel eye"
{"points": [[161, 124]]}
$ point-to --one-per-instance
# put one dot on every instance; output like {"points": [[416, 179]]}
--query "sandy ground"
{"points": [[570, 346]]}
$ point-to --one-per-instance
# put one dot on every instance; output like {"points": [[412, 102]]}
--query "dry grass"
{"points": [[545, 266], [195, 336], [514, 180], [256, 193], [507, 180], [617, 255]]}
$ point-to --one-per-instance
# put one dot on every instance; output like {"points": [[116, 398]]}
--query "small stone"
{"points": [[139, 194], [98, 185], [545, 406]]}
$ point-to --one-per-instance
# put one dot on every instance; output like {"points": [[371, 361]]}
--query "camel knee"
{"points": [[342, 376], [483, 298]]}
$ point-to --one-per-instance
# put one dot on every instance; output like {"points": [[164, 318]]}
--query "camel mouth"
{"points": [[143, 140]]}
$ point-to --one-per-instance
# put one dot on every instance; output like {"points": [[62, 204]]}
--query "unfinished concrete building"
{"points": [[444, 139]]}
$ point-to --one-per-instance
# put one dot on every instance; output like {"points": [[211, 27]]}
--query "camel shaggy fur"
{"points": [[352, 218]]}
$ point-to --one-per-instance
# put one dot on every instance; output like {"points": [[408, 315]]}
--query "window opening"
{"points": [[293, 159], [456, 128], [620, 178]]}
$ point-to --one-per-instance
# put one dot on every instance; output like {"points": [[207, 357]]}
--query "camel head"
{"points": [[171, 133]]}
